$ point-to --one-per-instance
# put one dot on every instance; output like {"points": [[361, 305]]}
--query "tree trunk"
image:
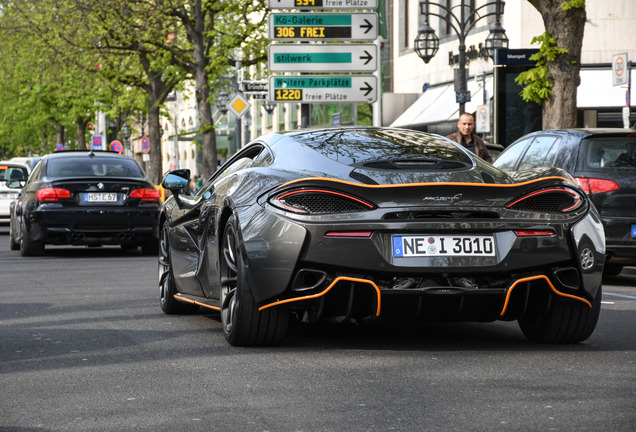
{"points": [[80, 128], [566, 27], [59, 134], [202, 91], [154, 126]]}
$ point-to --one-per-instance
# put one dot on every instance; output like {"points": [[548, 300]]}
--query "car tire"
{"points": [[243, 324], [29, 247], [167, 288], [612, 269], [13, 244], [566, 321]]}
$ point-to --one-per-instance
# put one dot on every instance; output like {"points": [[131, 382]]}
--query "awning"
{"points": [[438, 104]]}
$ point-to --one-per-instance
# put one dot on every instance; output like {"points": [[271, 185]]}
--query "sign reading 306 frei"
{"points": [[323, 58], [322, 4], [323, 89], [323, 26]]}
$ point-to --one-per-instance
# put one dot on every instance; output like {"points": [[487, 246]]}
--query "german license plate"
{"points": [[436, 245], [101, 197]]}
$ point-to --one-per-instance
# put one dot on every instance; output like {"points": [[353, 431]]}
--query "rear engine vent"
{"points": [[415, 165], [320, 201], [362, 178], [548, 201], [441, 215]]}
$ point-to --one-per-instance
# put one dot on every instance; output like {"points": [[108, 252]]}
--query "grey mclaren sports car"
{"points": [[352, 225]]}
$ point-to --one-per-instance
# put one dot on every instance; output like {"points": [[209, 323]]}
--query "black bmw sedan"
{"points": [[85, 198]]}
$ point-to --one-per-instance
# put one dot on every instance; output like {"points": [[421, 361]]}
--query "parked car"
{"points": [[358, 224], [603, 162], [85, 198], [30, 161], [10, 170]]}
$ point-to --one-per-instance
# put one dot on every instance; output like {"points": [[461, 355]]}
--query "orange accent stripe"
{"points": [[528, 279], [185, 300], [313, 296], [425, 184]]}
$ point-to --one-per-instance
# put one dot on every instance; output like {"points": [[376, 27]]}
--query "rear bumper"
{"points": [[94, 226], [621, 246]]}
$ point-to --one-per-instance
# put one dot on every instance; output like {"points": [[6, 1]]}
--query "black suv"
{"points": [[603, 161]]}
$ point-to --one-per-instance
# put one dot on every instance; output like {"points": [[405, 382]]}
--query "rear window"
{"points": [[609, 153], [12, 172], [93, 167], [356, 146]]}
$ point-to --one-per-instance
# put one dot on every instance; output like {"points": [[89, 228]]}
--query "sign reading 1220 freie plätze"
{"points": [[323, 89], [323, 26], [322, 4], [322, 58]]}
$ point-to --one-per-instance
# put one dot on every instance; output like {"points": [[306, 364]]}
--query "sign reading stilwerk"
{"points": [[321, 58]]}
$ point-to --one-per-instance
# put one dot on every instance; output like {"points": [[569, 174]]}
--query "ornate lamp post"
{"points": [[125, 133], [427, 42], [221, 102]]}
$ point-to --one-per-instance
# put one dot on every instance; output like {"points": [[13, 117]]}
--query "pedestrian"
{"points": [[465, 137]]}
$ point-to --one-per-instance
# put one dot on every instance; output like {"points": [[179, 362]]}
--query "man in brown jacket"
{"points": [[468, 139]]}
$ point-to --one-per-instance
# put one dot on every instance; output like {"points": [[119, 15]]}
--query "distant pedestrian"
{"points": [[468, 139]]}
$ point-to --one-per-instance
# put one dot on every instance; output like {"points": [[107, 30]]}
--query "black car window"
{"points": [[243, 159], [539, 153], [359, 146], [507, 160], [93, 167], [609, 153], [12, 172]]}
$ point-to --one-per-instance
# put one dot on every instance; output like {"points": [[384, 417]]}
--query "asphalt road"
{"points": [[85, 347]]}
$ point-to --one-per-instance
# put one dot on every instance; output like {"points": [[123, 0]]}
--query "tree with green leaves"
{"points": [[555, 78]]}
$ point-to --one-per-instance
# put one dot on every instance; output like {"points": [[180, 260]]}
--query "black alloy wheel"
{"points": [[29, 247], [14, 245], [243, 324], [167, 288]]}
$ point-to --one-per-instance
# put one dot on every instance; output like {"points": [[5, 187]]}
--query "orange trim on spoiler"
{"points": [[313, 296], [185, 300], [532, 278], [425, 184]]}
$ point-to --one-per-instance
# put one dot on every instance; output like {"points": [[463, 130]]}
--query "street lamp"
{"points": [[125, 133], [269, 107], [221, 102], [427, 42]]}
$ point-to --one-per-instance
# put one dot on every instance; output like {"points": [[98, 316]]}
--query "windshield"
{"points": [[12, 172], [93, 167]]}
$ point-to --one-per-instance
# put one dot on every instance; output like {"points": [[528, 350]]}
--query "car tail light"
{"points": [[146, 195], [319, 201], [593, 185], [552, 200], [52, 194]]}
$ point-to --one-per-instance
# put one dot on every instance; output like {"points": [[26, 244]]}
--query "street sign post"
{"points": [[323, 26], [145, 144], [116, 146], [322, 4], [323, 58], [620, 72], [323, 89]]}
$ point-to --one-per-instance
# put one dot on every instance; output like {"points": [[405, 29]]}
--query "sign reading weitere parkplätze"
{"points": [[323, 89], [323, 58], [322, 4], [288, 27]]}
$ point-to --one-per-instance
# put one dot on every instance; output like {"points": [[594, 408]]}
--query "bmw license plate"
{"points": [[101, 197], [435, 245]]}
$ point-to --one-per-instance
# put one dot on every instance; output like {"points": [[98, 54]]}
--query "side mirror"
{"points": [[176, 181], [15, 184]]}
